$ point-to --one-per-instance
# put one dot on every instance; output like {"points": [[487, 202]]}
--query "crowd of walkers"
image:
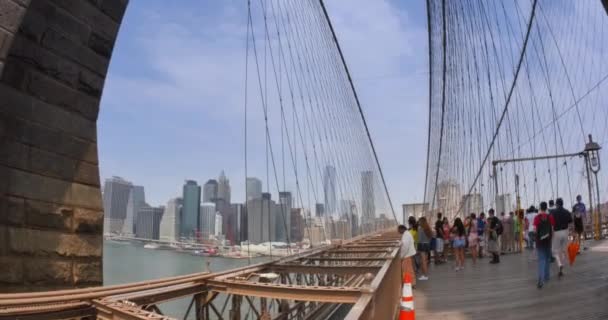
{"points": [[547, 230]]}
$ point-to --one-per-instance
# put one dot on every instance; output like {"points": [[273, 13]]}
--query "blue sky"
{"points": [[172, 104]]}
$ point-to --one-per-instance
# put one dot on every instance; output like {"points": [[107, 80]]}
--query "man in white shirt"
{"points": [[407, 253], [532, 212]]}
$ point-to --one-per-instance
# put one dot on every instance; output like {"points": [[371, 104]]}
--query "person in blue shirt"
{"points": [[579, 212], [481, 227]]}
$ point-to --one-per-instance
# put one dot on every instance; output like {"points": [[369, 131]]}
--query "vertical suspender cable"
{"points": [[369, 137]]}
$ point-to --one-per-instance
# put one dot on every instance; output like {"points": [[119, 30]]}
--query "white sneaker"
{"points": [[423, 278]]}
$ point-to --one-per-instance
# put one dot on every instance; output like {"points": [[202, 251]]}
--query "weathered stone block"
{"points": [[12, 210], [83, 55], [47, 139], [11, 14], [42, 15], [50, 243], [48, 215], [87, 272], [33, 186], [92, 15], [101, 45], [57, 166], [4, 246], [13, 153], [90, 83], [11, 269], [114, 8], [88, 221], [24, 3], [5, 42], [53, 92], [47, 270], [19, 104], [44, 61], [13, 74]]}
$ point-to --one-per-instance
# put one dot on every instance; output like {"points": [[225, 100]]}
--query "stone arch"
{"points": [[54, 56]]}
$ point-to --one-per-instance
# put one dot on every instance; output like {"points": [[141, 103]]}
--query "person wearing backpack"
{"points": [[493, 246], [543, 225], [563, 219]]}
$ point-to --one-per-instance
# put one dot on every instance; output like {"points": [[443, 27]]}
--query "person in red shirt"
{"points": [[543, 225]]}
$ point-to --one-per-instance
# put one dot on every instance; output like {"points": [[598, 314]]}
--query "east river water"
{"points": [[126, 262]]}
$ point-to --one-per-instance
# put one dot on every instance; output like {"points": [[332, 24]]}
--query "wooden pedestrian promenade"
{"points": [[508, 290]]}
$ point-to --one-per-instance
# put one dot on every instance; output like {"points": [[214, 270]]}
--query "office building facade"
{"points": [[368, 206], [254, 188], [115, 197], [210, 190], [169, 224], [191, 196], [148, 222]]}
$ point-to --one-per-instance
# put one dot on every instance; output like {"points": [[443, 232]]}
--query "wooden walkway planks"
{"points": [[508, 290]]}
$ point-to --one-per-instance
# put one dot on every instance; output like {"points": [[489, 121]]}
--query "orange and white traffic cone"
{"points": [[407, 300]]}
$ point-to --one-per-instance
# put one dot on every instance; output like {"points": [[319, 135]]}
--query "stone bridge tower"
{"points": [[54, 56]]}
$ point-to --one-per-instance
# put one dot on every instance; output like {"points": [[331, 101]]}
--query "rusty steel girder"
{"points": [[362, 274]]}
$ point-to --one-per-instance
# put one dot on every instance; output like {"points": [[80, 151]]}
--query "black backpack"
{"points": [[498, 226], [544, 230]]}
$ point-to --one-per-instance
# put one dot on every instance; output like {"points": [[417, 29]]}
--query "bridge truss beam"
{"points": [[360, 276]]}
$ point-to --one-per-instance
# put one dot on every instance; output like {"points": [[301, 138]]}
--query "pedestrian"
{"points": [[493, 246], [543, 224], [531, 230], [563, 219], [459, 235], [481, 231], [439, 242], [407, 253], [580, 220], [517, 230], [413, 230], [424, 246], [446, 238], [473, 237]]}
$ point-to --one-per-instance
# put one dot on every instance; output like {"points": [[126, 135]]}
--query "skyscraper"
{"points": [[115, 197], [148, 222], [297, 225], [189, 223], [223, 188], [137, 198], [283, 228], [329, 189], [261, 219], [218, 225], [207, 222], [210, 191], [254, 188], [367, 197], [169, 224], [239, 224]]}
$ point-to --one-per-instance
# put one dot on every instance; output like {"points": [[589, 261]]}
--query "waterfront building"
{"points": [[254, 188], [210, 190], [189, 223], [169, 224], [115, 197], [148, 222]]}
